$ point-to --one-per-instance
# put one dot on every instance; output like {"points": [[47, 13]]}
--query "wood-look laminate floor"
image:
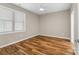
{"points": [[39, 45]]}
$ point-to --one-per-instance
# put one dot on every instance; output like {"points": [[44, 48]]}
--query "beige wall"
{"points": [[56, 24], [32, 28]]}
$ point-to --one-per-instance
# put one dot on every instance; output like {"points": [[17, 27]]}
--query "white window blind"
{"points": [[5, 19], [11, 20], [19, 21]]}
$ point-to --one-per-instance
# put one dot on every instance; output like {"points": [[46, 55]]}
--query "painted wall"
{"points": [[32, 28], [78, 19], [56, 24]]}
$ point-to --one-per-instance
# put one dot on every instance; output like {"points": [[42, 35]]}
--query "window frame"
{"points": [[13, 23]]}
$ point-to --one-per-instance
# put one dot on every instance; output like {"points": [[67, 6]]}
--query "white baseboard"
{"points": [[17, 41], [56, 36]]}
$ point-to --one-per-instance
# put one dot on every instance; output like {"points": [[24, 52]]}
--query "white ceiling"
{"points": [[49, 7]]}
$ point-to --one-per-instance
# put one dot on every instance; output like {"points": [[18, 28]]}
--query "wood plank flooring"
{"points": [[39, 45]]}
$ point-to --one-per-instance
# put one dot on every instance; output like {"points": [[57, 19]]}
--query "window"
{"points": [[11, 20], [19, 21], [5, 19], [5, 25]]}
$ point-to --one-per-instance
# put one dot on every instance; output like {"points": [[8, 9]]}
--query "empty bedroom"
{"points": [[37, 29]]}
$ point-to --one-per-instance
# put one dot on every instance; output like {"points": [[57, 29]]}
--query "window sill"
{"points": [[6, 33]]}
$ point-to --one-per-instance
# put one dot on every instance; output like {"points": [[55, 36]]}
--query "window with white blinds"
{"points": [[11, 20], [5, 19], [19, 21]]}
